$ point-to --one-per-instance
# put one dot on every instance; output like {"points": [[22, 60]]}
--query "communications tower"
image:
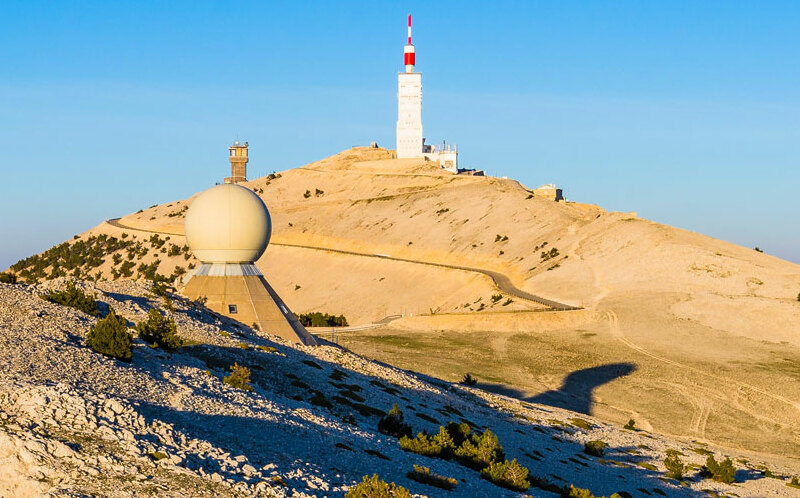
{"points": [[409, 105]]}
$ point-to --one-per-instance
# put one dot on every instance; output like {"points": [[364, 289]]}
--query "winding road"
{"points": [[501, 281]]}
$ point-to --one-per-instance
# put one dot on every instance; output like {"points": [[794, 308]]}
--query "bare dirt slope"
{"points": [[711, 330]]}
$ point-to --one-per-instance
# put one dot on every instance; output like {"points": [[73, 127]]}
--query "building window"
{"points": [[232, 309], [233, 152]]}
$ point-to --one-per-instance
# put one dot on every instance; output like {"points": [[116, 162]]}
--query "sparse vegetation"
{"points": [[178, 212], [496, 297], [547, 255], [73, 297], [580, 423], [159, 331], [110, 337], [317, 319], [425, 476], [630, 425], [375, 487], [478, 451], [239, 378], [393, 424], [468, 380], [595, 448], [307, 194], [157, 455], [510, 475], [757, 249], [794, 483], [10, 278], [723, 471], [66, 258], [674, 465]]}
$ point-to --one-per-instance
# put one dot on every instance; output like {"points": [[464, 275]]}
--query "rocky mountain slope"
{"points": [[709, 331], [76, 423]]}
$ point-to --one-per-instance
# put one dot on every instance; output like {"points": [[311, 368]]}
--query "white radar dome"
{"points": [[228, 224]]}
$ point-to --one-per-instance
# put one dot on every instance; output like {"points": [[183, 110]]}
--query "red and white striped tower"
{"points": [[408, 51], [409, 105]]}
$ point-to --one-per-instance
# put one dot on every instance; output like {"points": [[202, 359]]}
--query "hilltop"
{"points": [[688, 335]]}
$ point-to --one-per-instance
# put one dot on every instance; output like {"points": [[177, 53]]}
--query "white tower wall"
{"points": [[409, 115]]}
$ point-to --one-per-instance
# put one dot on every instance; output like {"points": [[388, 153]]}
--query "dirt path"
{"points": [[502, 282], [703, 407]]}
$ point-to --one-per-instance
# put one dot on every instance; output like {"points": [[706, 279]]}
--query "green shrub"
{"points": [[157, 455], [423, 444], [239, 378], [110, 337], [630, 425], [159, 330], [10, 278], [159, 289], [317, 319], [375, 487], [798, 295], [307, 194], [393, 424], [468, 380], [74, 298], [480, 451], [496, 297], [595, 448], [573, 492], [794, 483], [510, 475], [580, 423], [425, 476], [674, 465], [719, 471]]}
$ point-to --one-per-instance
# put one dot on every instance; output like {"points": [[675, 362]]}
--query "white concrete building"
{"points": [[410, 141]]}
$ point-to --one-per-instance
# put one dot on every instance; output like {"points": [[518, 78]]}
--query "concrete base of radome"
{"points": [[248, 298]]}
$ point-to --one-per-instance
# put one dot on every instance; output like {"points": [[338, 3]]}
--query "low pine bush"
{"points": [[74, 298], [480, 451], [159, 330], [393, 424], [425, 476], [630, 425], [674, 465], [10, 278], [595, 448], [375, 487], [110, 337], [425, 445], [239, 378], [468, 380], [723, 471], [510, 475]]}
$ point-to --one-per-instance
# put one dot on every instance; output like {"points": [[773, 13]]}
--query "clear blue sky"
{"points": [[686, 112]]}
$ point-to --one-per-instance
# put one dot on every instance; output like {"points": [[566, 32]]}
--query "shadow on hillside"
{"points": [[576, 391]]}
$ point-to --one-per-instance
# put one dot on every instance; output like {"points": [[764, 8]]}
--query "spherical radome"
{"points": [[228, 224]]}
